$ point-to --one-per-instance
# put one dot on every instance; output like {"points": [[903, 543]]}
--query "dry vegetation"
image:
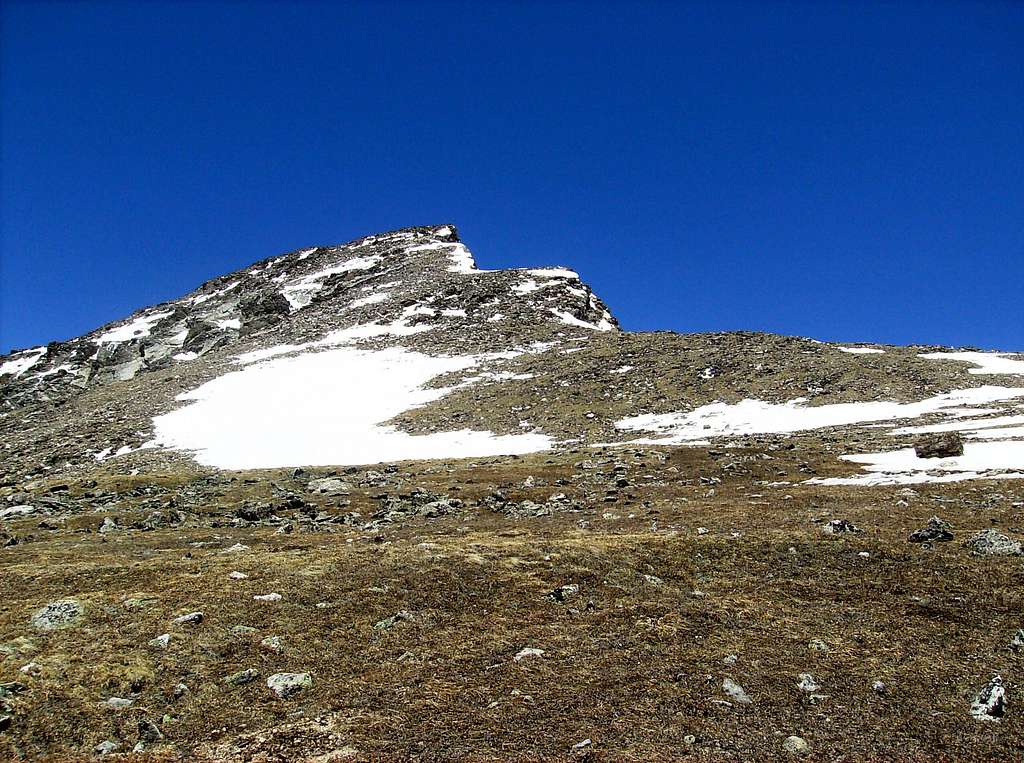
{"points": [[634, 662]]}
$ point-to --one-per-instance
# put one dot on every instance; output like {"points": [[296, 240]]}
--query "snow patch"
{"points": [[22, 361], [136, 329], [861, 350]]}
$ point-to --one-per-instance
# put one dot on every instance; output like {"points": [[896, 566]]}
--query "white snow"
{"points": [[993, 460], [986, 362], [554, 273], [373, 299], [621, 370], [306, 252], [322, 408], [462, 261], [22, 361], [300, 292], [572, 320], [861, 350], [526, 287], [758, 417], [229, 323], [140, 327]]}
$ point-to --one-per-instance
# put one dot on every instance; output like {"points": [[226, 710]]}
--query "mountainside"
{"points": [[396, 346], [369, 501]]}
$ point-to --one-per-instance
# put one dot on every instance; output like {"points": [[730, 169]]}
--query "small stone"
{"points": [[180, 691], [235, 549], [272, 643], [735, 692], [105, 748], [730, 659], [108, 525], [807, 683], [990, 702], [267, 597], [879, 687], [795, 745], [654, 580], [161, 641], [5, 722], [527, 653], [57, 614], [242, 677], [840, 527], [242, 630], [690, 740], [817, 645], [118, 703], [192, 618], [149, 732], [236, 575], [389, 622], [564, 592], [285, 685], [31, 669], [1017, 642]]}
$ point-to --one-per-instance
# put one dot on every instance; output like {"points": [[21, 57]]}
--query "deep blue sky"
{"points": [[847, 171]]}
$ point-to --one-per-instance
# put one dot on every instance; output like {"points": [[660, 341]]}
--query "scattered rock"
{"points": [[564, 592], [161, 642], [236, 575], [936, 531], [242, 630], [272, 643], [118, 703], [57, 614], [17, 512], [329, 486], [527, 653], [389, 622], [817, 645], [1017, 642], [808, 684], [108, 525], [242, 677], [840, 527], [286, 685], [795, 745], [149, 732], [268, 597], [991, 542], [940, 445], [990, 703], [735, 692], [192, 618], [105, 748]]}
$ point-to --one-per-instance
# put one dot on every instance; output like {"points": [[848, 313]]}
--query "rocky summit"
{"points": [[371, 502]]}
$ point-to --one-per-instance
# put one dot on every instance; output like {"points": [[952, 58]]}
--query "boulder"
{"points": [[940, 445]]}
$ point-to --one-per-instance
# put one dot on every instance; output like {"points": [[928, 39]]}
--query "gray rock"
{"points": [[57, 614], [808, 683], [940, 445], [936, 531], [161, 642], [108, 526], [330, 486], [389, 622], [993, 543], [564, 592], [286, 685], [118, 703], [17, 512], [990, 702], [840, 527], [192, 618], [735, 692], [105, 748], [795, 745], [242, 630], [149, 732], [242, 677], [1017, 642]]}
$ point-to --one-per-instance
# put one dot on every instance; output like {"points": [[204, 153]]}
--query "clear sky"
{"points": [[846, 171]]}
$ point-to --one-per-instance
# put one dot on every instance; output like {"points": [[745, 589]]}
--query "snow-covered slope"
{"points": [[396, 346]]}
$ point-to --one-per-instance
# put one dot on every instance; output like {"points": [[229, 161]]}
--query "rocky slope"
{"points": [[396, 346], [369, 502]]}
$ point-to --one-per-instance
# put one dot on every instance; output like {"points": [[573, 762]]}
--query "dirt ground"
{"points": [[693, 566]]}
